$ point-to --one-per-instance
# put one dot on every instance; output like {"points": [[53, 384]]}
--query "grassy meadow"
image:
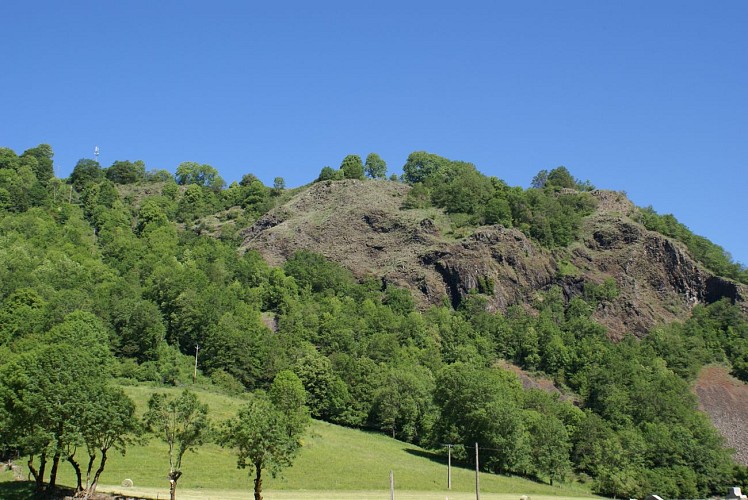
{"points": [[334, 463]]}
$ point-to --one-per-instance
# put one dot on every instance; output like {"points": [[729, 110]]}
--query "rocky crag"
{"points": [[362, 226]]}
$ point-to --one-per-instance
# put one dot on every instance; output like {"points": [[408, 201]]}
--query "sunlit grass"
{"points": [[334, 463]]}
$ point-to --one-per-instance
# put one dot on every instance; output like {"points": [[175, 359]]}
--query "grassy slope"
{"points": [[334, 462]]}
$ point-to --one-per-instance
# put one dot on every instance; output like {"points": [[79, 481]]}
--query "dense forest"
{"points": [[112, 271]]}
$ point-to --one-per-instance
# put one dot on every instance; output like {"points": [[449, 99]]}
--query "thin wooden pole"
{"points": [[392, 485], [477, 476], [194, 375], [449, 466]]}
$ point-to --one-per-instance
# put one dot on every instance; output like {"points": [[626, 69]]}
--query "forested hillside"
{"points": [[119, 273]]}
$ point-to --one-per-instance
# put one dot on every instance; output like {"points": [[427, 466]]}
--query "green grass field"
{"points": [[334, 463]]}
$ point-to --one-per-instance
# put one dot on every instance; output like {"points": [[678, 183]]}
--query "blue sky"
{"points": [[646, 97]]}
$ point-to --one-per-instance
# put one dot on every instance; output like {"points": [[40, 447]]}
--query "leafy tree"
{"points": [[9, 159], [498, 211], [159, 175], [126, 172], [561, 178], [182, 423], [550, 445], [150, 214], [421, 166], [329, 174], [402, 405], [108, 424], [257, 198], [540, 179], [241, 345], [352, 167], [279, 184], [43, 166], [200, 174], [266, 433], [375, 167], [139, 327], [480, 405], [85, 172], [46, 395], [327, 394]]}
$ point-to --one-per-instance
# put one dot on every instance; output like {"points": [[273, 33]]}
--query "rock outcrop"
{"points": [[361, 225]]}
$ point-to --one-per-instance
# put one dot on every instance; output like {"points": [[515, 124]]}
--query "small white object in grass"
{"points": [[127, 483]]}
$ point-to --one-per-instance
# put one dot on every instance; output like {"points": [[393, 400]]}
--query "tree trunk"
{"points": [[38, 475], [91, 459], [258, 481], [173, 478], [92, 489], [78, 474], [53, 472]]}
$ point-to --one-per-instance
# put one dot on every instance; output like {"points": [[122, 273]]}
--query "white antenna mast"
{"points": [[96, 153]]}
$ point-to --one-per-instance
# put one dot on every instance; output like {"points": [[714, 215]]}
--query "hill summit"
{"points": [[363, 226]]}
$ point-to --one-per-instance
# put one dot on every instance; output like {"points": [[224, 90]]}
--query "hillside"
{"points": [[334, 462], [441, 307], [361, 225]]}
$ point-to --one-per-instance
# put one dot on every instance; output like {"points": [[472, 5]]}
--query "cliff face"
{"points": [[360, 225]]}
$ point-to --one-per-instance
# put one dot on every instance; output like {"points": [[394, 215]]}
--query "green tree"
{"points": [[421, 166], [241, 345], [352, 167], [550, 446], [267, 431], [126, 172], [139, 327], [327, 394], [402, 406], [109, 423], [375, 167], [85, 172], [560, 177], [181, 422], [540, 179], [201, 174], [329, 174], [43, 166], [46, 394]]}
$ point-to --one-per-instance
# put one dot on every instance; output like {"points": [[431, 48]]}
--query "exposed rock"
{"points": [[360, 224], [725, 399]]}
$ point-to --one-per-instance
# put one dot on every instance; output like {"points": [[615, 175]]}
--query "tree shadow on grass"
{"points": [[26, 490], [435, 457], [17, 490], [442, 460]]}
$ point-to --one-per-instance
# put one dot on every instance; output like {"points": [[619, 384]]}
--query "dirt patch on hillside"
{"points": [[725, 399]]}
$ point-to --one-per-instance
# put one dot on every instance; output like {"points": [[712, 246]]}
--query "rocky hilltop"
{"points": [[362, 226]]}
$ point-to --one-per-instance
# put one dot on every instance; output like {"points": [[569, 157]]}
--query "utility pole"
{"points": [[449, 466], [477, 477], [194, 376], [392, 485]]}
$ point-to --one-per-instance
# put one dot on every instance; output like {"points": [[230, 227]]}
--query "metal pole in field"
{"points": [[449, 466], [477, 480], [392, 485]]}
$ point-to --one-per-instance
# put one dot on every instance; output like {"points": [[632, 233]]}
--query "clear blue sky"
{"points": [[649, 97]]}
